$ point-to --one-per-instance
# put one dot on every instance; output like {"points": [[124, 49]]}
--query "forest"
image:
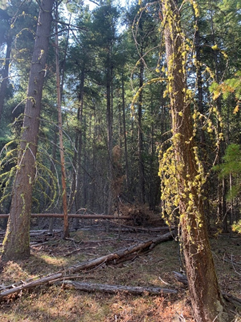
{"points": [[120, 142]]}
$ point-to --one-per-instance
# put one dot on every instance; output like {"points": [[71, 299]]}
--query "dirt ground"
{"points": [[55, 302]]}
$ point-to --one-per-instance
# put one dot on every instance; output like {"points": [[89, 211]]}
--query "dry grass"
{"points": [[56, 303]]}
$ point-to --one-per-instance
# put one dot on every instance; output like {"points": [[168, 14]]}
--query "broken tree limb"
{"points": [[136, 290], [113, 257], [25, 286], [181, 278], [110, 258]]}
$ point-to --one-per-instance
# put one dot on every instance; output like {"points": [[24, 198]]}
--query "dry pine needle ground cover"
{"points": [[57, 303]]}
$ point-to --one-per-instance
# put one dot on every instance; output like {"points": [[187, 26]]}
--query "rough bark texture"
{"points": [[61, 144], [141, 182], [204, 291], [16, 242], [124, 133], [114, 289], [4, 83], [109, 117]]}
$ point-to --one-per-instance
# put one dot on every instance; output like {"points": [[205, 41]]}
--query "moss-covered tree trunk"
{"points": [[16, 242], [204, 290]]}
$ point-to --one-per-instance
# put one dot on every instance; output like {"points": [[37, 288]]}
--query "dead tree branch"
{"points": [[113, 289], [107, 259]]}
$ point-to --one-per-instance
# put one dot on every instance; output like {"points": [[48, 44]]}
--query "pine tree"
{"points": [[16, 241]]}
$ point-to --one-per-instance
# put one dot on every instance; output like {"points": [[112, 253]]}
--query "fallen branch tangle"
{"points": [[110, 258]]}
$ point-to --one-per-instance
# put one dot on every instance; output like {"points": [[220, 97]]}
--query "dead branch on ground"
{"points": [[107, 259], [113, 289]]}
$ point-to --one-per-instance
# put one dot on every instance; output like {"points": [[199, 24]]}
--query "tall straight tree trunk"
{"points": [[199, 84], [85, 162], [154, 184], [17, 241], [52, 169], [205, 296], [199, 80], [222, 183], [141, 183], [124, 134], [78, 198], [109, 115], [4, 82], [60, 126]]}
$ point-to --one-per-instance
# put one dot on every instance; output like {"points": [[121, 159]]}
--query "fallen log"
{"points": [[143, 229], [86, 216], [113, 289], [113, 257], [110, 258]]}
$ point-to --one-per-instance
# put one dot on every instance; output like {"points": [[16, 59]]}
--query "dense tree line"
{"points": [[112, 69]]}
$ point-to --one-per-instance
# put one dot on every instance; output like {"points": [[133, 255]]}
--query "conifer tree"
{"points": [[16, 241], [185, 178]]}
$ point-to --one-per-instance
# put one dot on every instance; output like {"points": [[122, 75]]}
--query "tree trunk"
{"points": [[141, 183], [207, 302], [60, 126], [124, 134], [109, 116], [4, 83], [199, 85], [222, 183], [78, 194], [16, 241]]}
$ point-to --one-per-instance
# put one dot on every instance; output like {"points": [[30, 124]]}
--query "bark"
{"points": [[222, 183], [80, 140], [141, 183], [114, 289], [110, 258], [207, 302], [199, 84], [181, 278], [49, 192], [4, 83], [60, 126], [16, 242], [124, 134], [109, 116]]}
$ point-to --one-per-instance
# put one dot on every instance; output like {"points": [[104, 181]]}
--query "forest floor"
{"points": [[55, 302]]}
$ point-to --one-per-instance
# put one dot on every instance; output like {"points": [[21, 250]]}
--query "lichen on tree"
{"points": [[183, 176]]}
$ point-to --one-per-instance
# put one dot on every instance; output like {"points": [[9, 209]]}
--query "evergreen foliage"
{"points": [[104, 53]]}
